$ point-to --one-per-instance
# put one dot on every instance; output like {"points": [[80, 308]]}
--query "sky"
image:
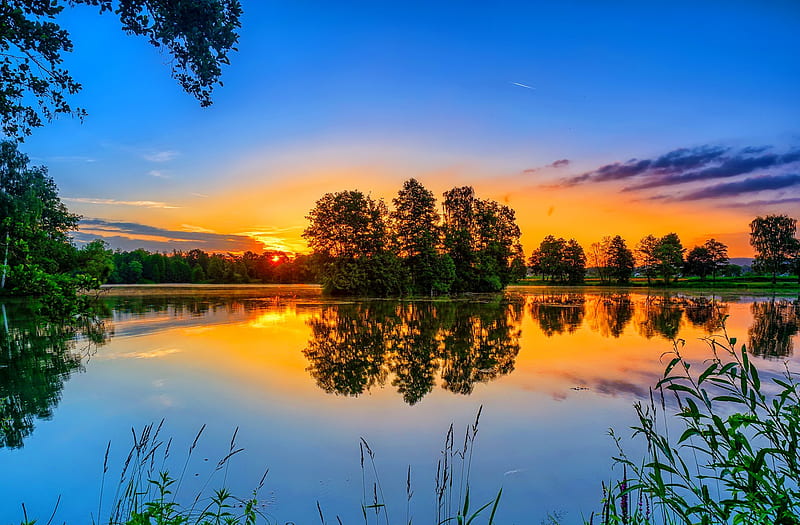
{"points": [[588, 118]]}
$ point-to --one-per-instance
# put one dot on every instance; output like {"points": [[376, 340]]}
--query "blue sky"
{"points": [[323, 98]]}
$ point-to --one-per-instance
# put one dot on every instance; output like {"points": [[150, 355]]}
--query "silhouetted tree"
{"points": [[646, 256], [620, 260], [773, 239], [669, 256]]}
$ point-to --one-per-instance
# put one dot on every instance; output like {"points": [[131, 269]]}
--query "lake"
{"points": [[301, 379]]}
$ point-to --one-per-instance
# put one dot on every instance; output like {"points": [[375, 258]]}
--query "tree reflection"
{"points": [[659, 315], [775, 323], [706, 313], [354, 347], [558, 313], [610, 313], [38, 356]]}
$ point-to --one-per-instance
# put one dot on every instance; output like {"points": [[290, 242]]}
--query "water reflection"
{"points": [[38, 356], [775, 323], [557, 313], [355, 347]]}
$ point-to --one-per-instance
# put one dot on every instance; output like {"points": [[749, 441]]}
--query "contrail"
{"points": [[526, 86]]}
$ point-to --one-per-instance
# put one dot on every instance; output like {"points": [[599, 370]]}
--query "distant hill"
{"points": [[742, 261]]}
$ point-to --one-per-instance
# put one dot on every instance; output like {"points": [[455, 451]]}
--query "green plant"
{"points": [[736, 459]]}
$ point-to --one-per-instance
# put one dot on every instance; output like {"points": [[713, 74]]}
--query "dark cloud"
{"points": [[675, 161], [729, 167], [750, 185], [560, 163], [128, 236]]}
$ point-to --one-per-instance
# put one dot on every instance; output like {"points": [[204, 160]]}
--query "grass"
{"points": [[736, 458]]}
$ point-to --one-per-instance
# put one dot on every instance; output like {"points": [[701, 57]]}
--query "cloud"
{"points": [[520, 84], [131, 235], [675, 161], [749, 185], [160, 156], [115, 202], [158, 174], [556, 164], [729, 167], [765, 202]]}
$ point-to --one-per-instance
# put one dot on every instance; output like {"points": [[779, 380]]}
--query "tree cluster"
{"points": [[197, 266], [558, 260], [365, 249]]}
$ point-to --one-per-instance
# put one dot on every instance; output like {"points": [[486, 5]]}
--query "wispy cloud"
{"points": [[520, 84], [159, 174], [160, 156], [115, 202], [764, 202], [556, 164], [201, 195], [733, 189], [196, 229], [132, 235]]}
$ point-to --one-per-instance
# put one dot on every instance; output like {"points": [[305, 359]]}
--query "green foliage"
{"points": [[34, 86], [39, 259], [620, 260], [647, 256], [773, 239], [736, 458], [559, 260], [706, 260], [669, 256], [365, 250]]}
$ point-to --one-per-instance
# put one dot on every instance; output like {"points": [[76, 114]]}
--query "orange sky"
{"points": [[271, 210]]}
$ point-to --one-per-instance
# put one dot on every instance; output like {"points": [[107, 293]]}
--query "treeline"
{"points": [[366, 249], [612, 261], [199, 267]]}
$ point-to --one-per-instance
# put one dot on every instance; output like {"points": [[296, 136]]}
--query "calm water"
{"points": [[304, 378]]}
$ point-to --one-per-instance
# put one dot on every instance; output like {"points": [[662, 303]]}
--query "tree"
{"points": [[646, 256], [35, 225], [620, 260], [598, 258], [669, 256], [699, 262], [349, 231], [718, 252], [34, 87], [347, 224], [773, 239], [482, 239], [416, 235]]}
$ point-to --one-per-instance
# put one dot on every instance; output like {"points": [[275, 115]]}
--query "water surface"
{"points": [[303, 378]]}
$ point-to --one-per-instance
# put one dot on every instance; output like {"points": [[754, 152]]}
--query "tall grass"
{"points": [[736, 458]]}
